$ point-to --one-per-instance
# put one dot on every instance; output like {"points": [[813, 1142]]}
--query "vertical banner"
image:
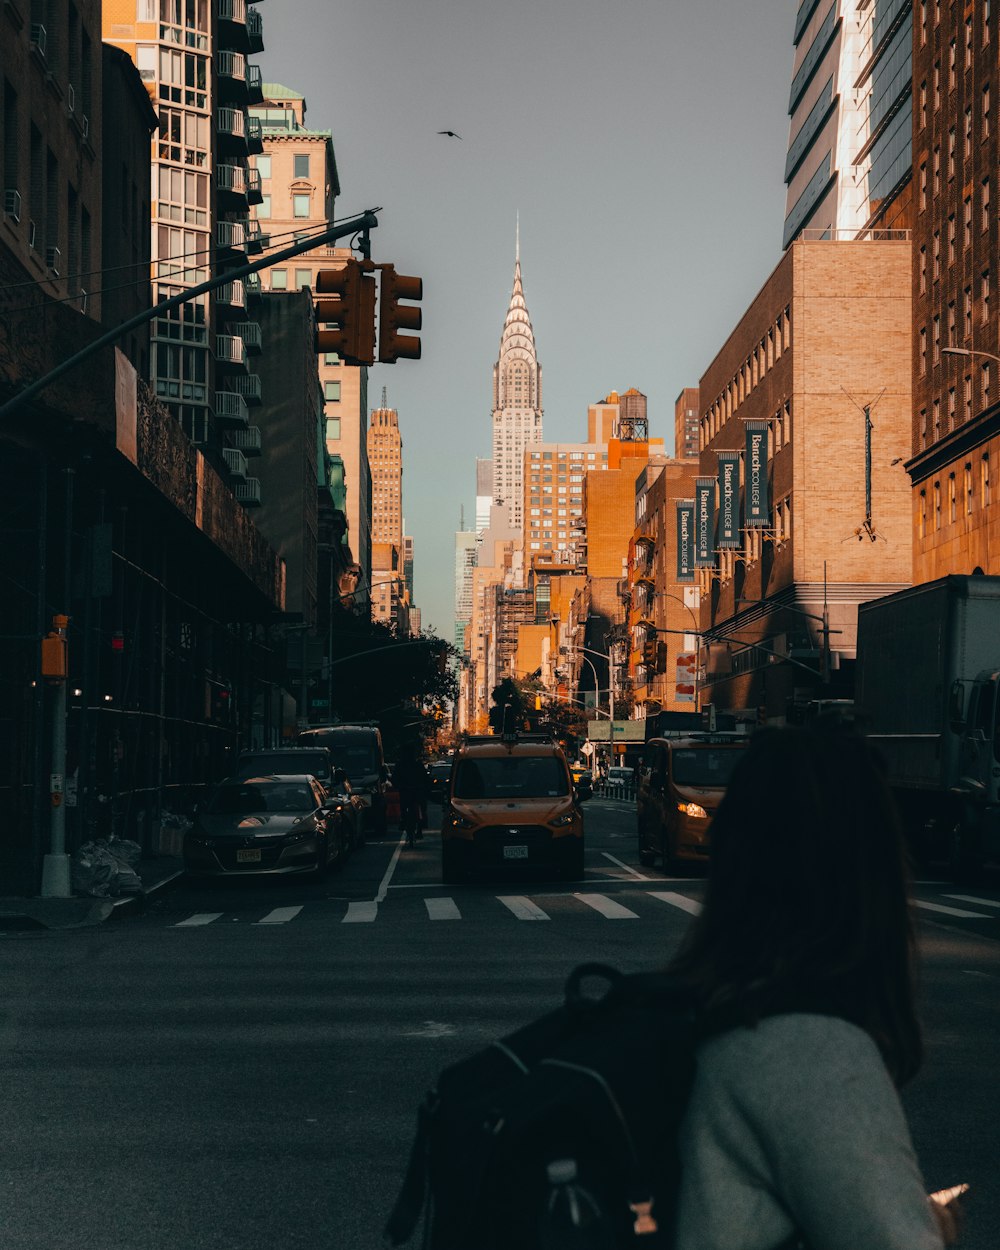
{"points": [[729, 498], [685, 540], [704, 522], [685, 682], [757, 511]]}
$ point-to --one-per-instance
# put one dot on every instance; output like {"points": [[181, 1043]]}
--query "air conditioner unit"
{"points": [[39, 37], [84, 125], [52, 258], [12, 203], [31, 234], [71, 99]]}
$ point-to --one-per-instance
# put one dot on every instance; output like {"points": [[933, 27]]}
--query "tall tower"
{"points": [[517, 401]]}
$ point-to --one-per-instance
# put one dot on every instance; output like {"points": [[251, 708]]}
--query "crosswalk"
{"points": [[555, 906]]}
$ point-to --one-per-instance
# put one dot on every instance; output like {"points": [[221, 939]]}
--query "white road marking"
{"points": [[949, 911], [442, 909], [628, 867], [607, 906], [523, 908], [359, 913], [280, 915], [676, 900], [971, 898], [200, 917], [384, 886], [432, 1028]]}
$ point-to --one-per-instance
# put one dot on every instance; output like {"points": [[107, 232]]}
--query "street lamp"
{"points": [[666, 594], [968, 351], [597, 685]]}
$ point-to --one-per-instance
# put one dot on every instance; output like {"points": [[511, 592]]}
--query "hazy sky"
{"points": [[641, 142]]}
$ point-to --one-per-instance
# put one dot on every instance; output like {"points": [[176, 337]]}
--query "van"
{"points": [[357, 749], [681, 784]]}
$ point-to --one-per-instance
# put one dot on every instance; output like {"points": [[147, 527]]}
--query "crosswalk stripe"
{"points": [[971, 898], [676, 900], [201, 917], [523, 908], [949, 911], [359, 913], [280, 915], [442, 909], [607, 906]]}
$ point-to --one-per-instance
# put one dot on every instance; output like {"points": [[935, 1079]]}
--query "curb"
{"points": [[132, 904]]}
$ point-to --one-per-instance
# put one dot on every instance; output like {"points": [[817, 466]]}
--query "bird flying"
{"points": [[450, 133]]}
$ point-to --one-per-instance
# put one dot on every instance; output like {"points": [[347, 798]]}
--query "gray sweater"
{"points": [[795, 1125]]}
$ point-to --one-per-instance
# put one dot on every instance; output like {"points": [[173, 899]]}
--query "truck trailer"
{"points": [[928, 665]]}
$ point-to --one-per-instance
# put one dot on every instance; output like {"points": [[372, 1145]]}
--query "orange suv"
{"points": [[511, 803]]}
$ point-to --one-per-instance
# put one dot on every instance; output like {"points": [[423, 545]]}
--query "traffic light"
{"points": [[347, 323], [392, 317]]}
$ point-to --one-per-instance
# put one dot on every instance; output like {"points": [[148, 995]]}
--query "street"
{"points": [[240, 1066]]}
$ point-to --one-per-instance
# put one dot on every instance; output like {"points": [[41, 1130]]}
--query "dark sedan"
{"points": [[438, 776], [275, 825]]}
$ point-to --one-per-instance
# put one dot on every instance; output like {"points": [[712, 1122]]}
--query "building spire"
{"points": [[517, 238]]}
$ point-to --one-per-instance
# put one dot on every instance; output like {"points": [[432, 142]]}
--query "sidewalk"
{"points": [[156, 874]]}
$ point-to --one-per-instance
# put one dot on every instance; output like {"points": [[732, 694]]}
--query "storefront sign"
{"points": [[758, 512], [729, 499]]}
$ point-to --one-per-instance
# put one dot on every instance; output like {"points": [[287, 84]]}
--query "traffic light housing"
{"points": [[393, 317], [347, 323]]}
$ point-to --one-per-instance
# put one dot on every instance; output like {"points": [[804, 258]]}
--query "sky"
{"points": [[642, 146]]}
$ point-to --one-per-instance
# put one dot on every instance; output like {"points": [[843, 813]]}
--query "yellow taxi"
{"points": [[511, 803]]}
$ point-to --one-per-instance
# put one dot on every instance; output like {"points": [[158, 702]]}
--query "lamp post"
{"points": [[968, 351], [666, 594]]}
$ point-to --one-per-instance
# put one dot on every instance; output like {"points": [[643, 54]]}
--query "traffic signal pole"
{"points": [[367, 221]]}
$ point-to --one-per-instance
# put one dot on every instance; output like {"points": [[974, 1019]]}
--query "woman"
{"points": [[803, 960]]}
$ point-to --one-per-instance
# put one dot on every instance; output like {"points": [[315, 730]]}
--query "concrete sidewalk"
{"points": [[156, 874]]}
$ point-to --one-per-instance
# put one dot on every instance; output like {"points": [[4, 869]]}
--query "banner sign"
{"points": [[685, 540], [704, 522], [757, 511], [686, 678], [729, 498]]}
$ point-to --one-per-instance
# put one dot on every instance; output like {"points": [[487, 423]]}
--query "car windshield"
{"points": [[710, 767], [262, 796], [356, 754], [316, 763], [511, 776]]}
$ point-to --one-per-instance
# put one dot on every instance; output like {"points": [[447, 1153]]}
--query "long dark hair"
{"points": [[807, 906]]}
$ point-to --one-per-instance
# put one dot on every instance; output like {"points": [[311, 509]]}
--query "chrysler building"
{"points": [[517, 402]]}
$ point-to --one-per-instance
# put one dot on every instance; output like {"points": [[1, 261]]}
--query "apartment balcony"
{"points": [[231, 184], [231, 125], [255, 135], [248, 492], [255, 30], [236, 463], [230, 237], [232, 295], [233, 12], [231, 408], [255, 85], [254, 193], [257, 240], [253, 286], [248, 387], [249, 332], [232, 67], [248, 440], [230, 353]]}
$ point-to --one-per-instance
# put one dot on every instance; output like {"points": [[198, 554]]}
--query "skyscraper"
{"points": [[517, 402], [385, 455]]}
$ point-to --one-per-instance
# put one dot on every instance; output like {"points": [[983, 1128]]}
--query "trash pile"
{"points": [[106, 868]]}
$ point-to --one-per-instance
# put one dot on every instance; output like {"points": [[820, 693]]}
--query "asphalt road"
{"points": [[240, 1066]]}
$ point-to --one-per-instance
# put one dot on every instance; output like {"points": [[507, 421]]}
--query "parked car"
{"points": [[511, 803], [273, 825], [317, 762], [681, 784], [438, 776], [357, 749]]}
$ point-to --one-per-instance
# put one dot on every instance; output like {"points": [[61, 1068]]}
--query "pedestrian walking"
{"points": [[802, 962], [411, 780]]}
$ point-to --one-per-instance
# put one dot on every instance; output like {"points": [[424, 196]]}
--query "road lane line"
{"points": [[280, 915], [607, 906], [384, 887], [523, 908], [628, 867], [200, 917], [950, 911], [971, 898], [360, 913], [442, 909], [690, 905]]}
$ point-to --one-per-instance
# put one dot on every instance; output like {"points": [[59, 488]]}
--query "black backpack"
{"points": [[602, 1082]]}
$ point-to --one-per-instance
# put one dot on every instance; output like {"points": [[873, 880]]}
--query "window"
{"points": [[923, 351], [952, 501], [936, 340], [333, 429], [937, 255], [985, 292], [937, 421], [968, 489], [331, 392], [331, 358], [951, 324], [264, 208], [923, 105], [279, 279], [301, 165], [985, 216], [300, 205], [984, 479], [952, 65], [967, 311], [985, 133], [952, 144], [936, 187], [264, 166], [923, 186], [951, 239], [303, 278], [967, 222], [937, 505], [967, 144], [968, 396], [986, 385], [922, 522], [937, 85], [951, 408]]}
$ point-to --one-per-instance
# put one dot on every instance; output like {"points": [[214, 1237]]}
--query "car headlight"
{"points": [[693, 809], [560, 822], [460, 822], [300, 835]]}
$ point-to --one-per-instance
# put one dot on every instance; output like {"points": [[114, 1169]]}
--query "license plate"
{"points": [[515, 852], [248, 857]]}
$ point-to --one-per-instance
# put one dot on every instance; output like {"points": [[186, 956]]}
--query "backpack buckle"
{"points": [[644, 1223]]}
